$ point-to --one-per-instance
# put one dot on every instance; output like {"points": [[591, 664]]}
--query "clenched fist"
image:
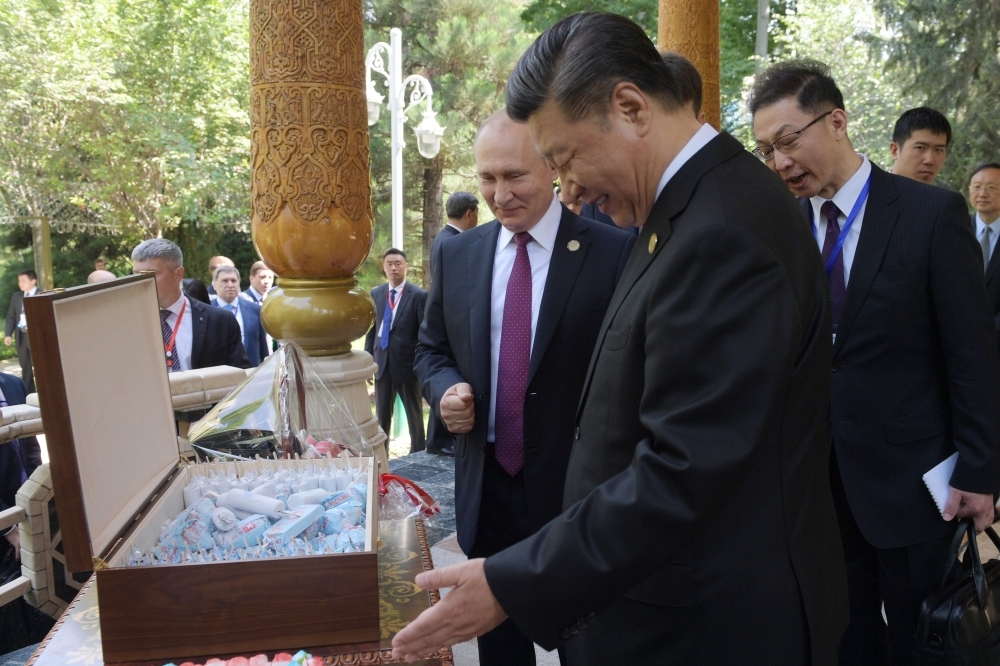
{"points": [[458, 409]]}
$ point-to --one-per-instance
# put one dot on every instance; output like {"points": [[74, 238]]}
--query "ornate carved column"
{"points": [[310, 190], [691, 28]]}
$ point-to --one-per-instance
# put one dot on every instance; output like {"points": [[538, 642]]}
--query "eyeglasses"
{"points": [[989, 188], [786, 143]]}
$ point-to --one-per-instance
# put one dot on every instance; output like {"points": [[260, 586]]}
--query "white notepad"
{"points": [[938, 480]]}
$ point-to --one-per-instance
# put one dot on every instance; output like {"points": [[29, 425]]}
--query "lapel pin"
{"points": [[573, 246], [652, 243]]}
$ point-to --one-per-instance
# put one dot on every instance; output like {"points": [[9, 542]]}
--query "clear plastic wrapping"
{"points": [[282, 410]]}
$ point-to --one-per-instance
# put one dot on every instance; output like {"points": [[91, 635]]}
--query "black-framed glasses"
{"points": [[786, 143]]}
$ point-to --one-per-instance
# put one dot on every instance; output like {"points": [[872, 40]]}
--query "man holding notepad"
{"points": [[915, 376]]}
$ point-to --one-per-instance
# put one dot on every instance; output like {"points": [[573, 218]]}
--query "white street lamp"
{"points": [[428, 132]]}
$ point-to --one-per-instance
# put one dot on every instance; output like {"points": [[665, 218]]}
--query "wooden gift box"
{"points": [[109, 425]]}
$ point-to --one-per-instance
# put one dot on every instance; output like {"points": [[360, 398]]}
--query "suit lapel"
{"points": [[198, 328], [402, 303], [564, 266], [673, 200], [877, 225], [481, 256]]}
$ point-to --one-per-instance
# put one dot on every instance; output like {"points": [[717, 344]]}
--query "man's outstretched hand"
{"points": [[468, 611]]}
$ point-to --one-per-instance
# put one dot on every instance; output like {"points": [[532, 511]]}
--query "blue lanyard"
{"points": [[846, 229]]}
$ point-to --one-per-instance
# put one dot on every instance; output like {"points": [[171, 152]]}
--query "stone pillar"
{"points": [[311, 214], [691, 28]]}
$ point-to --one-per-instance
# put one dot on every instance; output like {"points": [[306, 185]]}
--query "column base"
{"points": [[321, 315], [350, 373]]}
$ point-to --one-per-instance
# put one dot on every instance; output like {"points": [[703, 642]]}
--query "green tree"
{"points": [[946, 53]]}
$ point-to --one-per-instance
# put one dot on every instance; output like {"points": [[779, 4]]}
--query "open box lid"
{"points": [[105, 402]]}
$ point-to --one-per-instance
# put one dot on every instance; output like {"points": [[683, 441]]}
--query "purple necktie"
{"points": [[838, 290], [515, 355]]}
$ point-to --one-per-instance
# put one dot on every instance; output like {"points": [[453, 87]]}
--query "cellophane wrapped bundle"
{"points": [[282, 410]]}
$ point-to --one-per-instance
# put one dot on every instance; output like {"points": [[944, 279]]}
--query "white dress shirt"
{"points": [[238, 311], [185, 335], [539, 256], [392, 316], [22, 322], [981, 229], [845, 198], [694, 144], [449, 224]]}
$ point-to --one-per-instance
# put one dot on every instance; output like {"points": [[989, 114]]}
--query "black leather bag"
{"points": [[959, 624]]}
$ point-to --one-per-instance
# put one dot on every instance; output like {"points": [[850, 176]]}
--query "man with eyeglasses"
{"points": [[915, 374], [984, 193]]}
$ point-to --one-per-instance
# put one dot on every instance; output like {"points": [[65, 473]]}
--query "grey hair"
{"points": [[158, 248], [226, 269]]}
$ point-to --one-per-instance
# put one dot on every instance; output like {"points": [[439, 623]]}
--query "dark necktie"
{"points": [[985, 243], [515, 356], [838, 289], [175, 358], [383, 341]]}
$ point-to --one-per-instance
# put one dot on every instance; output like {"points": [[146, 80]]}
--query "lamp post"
{"points": [[428, 132]]}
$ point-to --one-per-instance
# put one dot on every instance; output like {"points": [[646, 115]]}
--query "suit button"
{"points": [[565, 634], [577, 434], [834, 367]]}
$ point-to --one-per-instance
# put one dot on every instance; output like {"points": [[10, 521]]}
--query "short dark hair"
{"points": [[809, 81], [393, 250], [688, 78], [31, 275], [921, 118], [578, 62], [984, 166], [459, 203]]}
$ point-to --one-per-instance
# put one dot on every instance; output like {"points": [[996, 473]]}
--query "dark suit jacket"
{"points": [[13, 457], [455, 347], [216, 338], [254, 336], [699, 524], [447, 231], [915, 373], [398, 358], [13, 317], [993, 285]]}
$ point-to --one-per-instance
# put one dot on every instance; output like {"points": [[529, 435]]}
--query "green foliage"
{"points": [[136, 109], [947, 53], [541, 14]]}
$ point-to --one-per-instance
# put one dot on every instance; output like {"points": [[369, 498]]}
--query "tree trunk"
{"points": [[433, 214], [763, 23]]}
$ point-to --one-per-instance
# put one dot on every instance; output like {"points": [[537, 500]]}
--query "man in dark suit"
{"points": [[227, 296], [984, 192], [463, 214], [698, 527], [392, 341], [915, 374], [195, 335], [18, 458], [509, 385], [17, 326]]}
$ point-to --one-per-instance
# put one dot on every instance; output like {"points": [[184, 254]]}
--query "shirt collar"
{"points": [[544, 232], [260, 296], [31, 292], [454, 227], [399, 288], [176, 307], [980, 225], [694, 144], [846, 196]]}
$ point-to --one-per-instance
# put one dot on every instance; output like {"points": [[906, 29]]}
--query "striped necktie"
{"points": [[175, 359]]}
